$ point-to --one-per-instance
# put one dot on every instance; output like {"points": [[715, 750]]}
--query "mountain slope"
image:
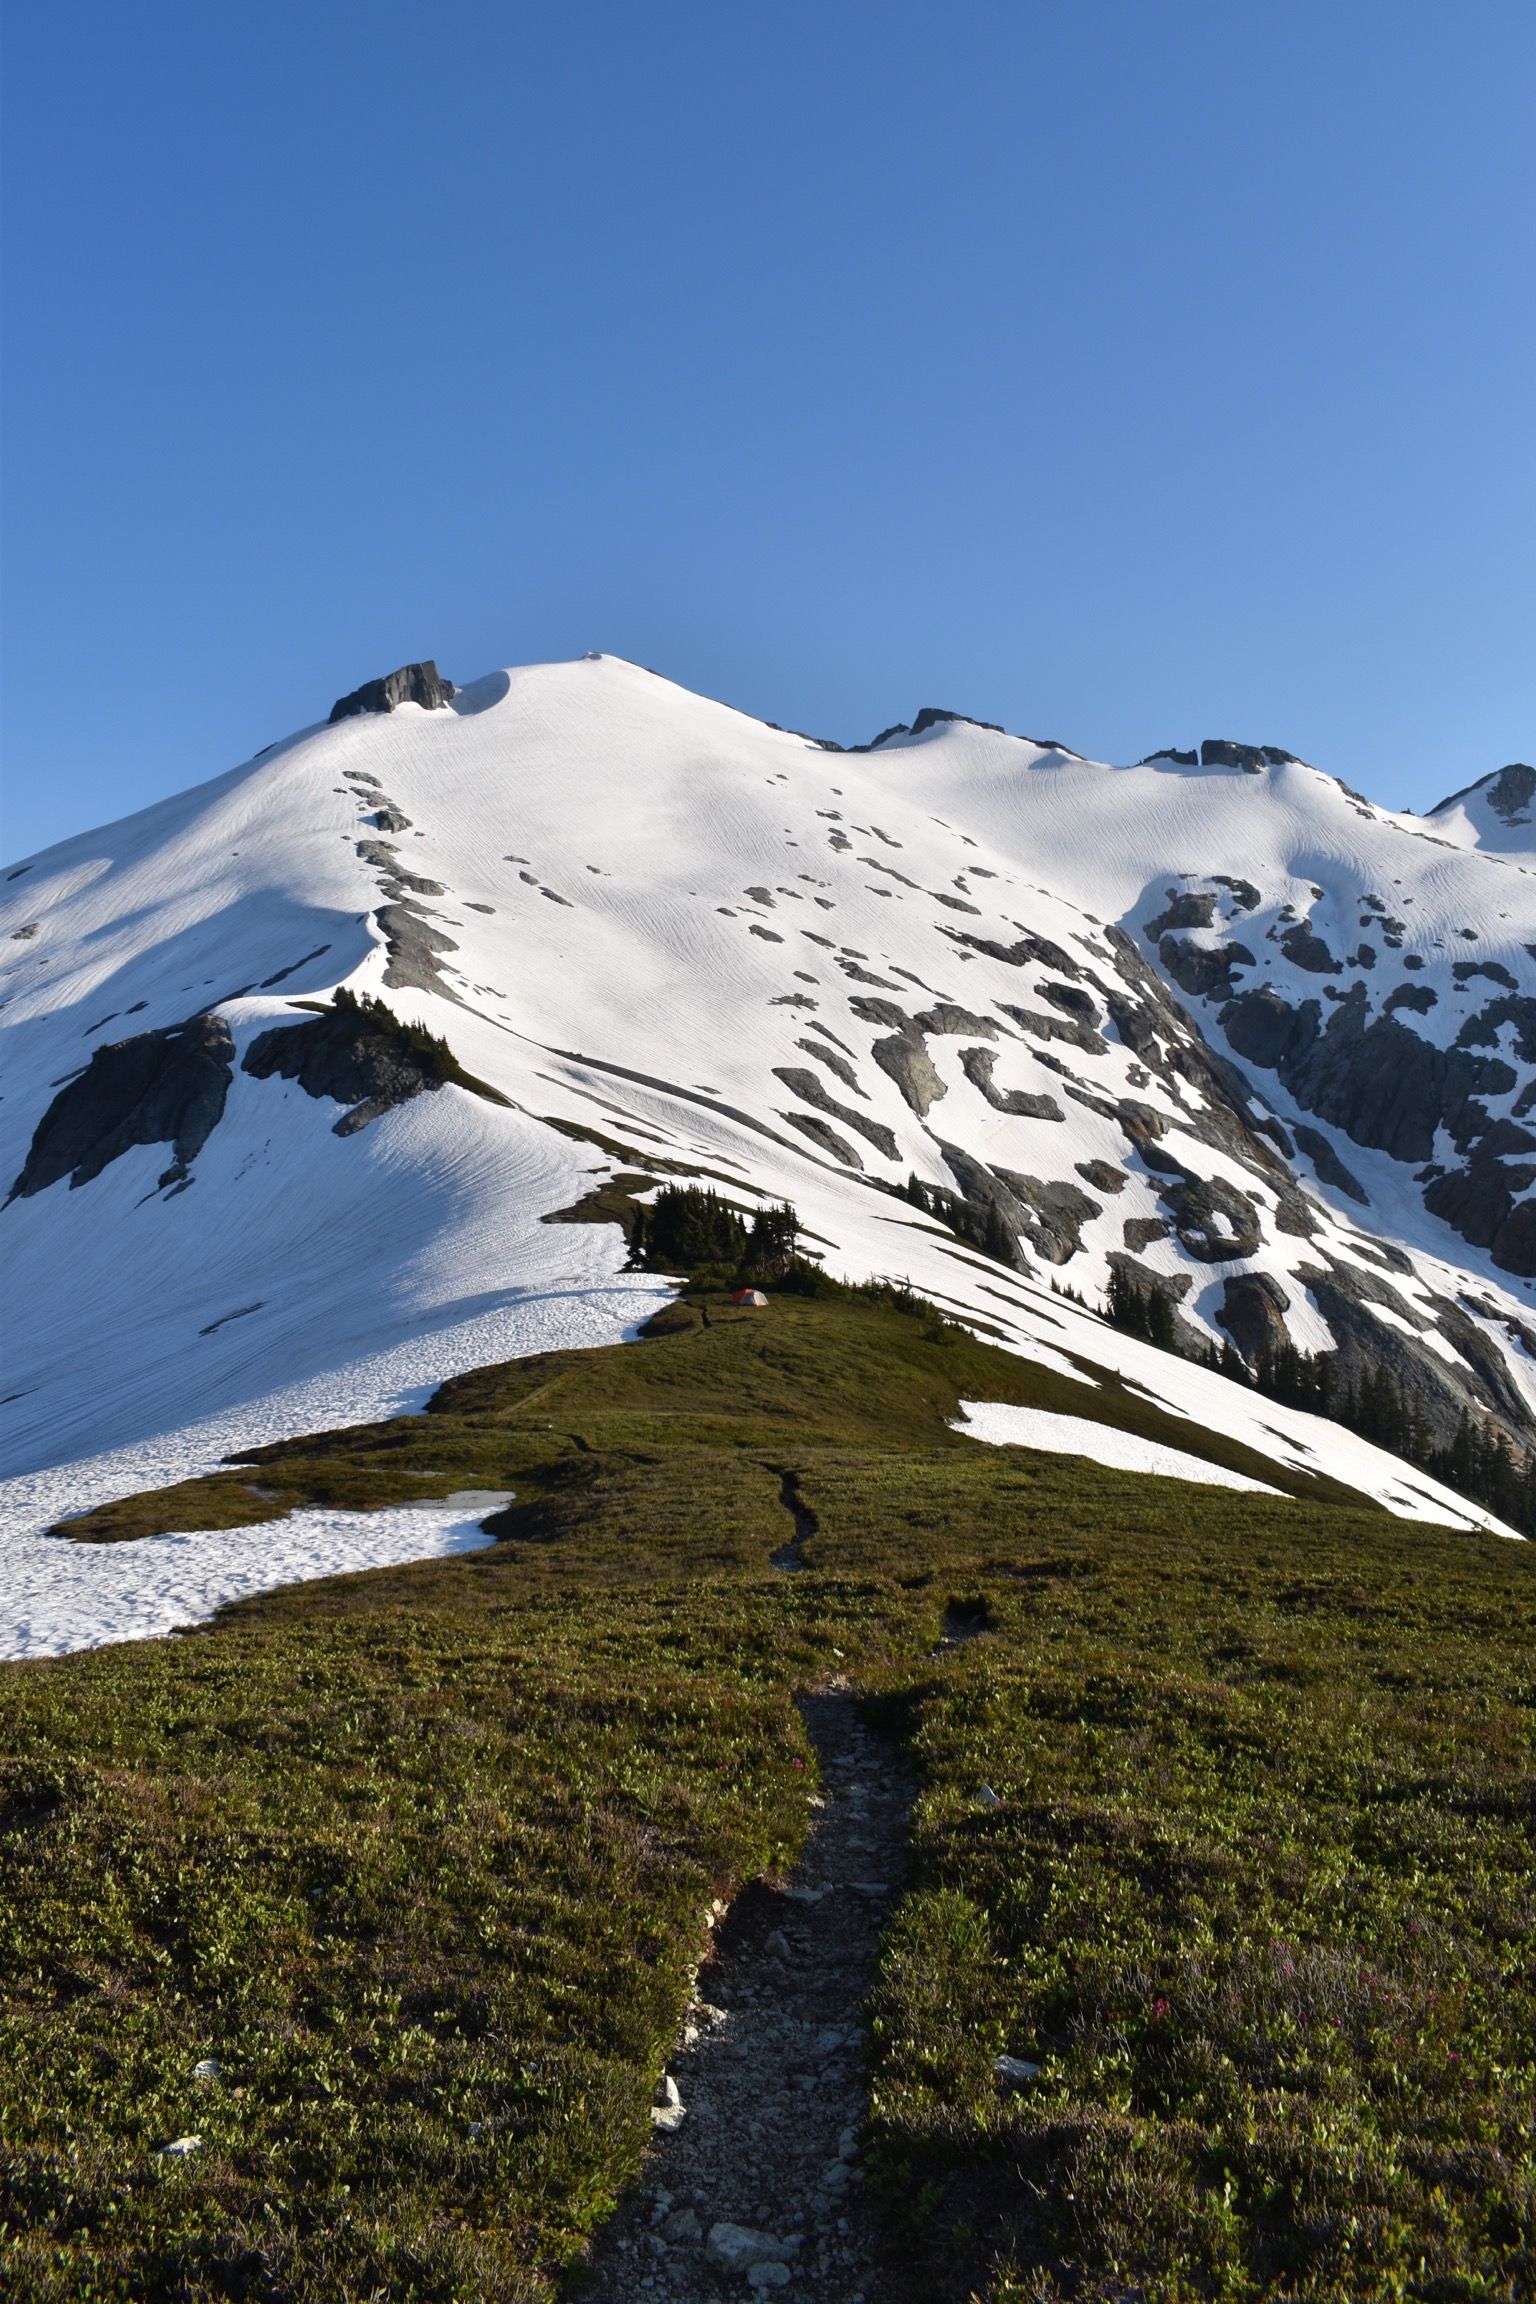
{"points": [[1211, 1022]]}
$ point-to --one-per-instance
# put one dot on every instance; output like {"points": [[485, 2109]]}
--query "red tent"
{"points": [[748, 1296]]}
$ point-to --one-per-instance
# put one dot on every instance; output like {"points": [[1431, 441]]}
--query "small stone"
{"points": [[683, 2224], [1015, 2071], [987, 1797], [768, 2274], [181, 2149], [848, 2143], [778, 1945], [834, 2177], [207, 2068], [737, 2248]]}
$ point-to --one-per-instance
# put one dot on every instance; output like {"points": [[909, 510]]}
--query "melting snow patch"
{"points": [[1003, 1426], [60, 1596]]}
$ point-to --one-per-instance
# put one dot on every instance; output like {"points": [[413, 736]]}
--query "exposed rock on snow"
{"points": [[165, 1087], [413, 684], [360, 1056]]}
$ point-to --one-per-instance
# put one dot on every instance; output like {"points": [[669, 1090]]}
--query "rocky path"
{"points": [[753, 2182]]}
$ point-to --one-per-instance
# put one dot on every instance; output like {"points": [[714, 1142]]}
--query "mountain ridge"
{"points": [[1087, 1010]]}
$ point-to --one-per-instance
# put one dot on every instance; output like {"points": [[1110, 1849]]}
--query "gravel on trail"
{"points": [[753, 2181]]}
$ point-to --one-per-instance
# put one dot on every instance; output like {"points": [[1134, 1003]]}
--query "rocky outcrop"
{"points": [[413, 945], [809, 1089], [1070, 1029], [1305, 949], [977, 1064], [905, 1058], [1185, 908], [1371, 1076], [1205, 970], [359, 1053], [1252, 1311], [1252, 759], [1441, 1391], [1052, 1213], [162, 1087], [1212, 1218], [1508, 792], [1482, 1203], [1329, 1166], [419, 684]]}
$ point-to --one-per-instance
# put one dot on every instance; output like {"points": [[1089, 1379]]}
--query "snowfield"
{"points": [[678, 942], [1003, 1425]]}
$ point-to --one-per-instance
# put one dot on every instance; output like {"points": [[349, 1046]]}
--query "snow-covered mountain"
{"points": [[1212, 1019]]}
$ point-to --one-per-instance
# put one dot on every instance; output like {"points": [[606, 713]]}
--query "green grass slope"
{"points": [[423, 1858]]}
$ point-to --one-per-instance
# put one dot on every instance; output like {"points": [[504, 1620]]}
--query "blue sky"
{"points": [[1127, 371]]}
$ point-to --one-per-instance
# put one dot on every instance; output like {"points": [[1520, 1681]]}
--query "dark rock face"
{"points": [[358, 1055], [1479, 1201], [1069, 1028], [929, 717], [413, 684], [1440, 1391], [977, 1065], [1376, 1080], [1252, 1312], [1040, 949], [1213, 1220], [165, 1087], [1178, 759], [1187, 908], [1204, 970], [1306, 950], [413, 945], [1329, 1166], [1052, 1215], [1252, 759], [1482, 1030], [827, 1139], [809, 1089], [1509, 792], [905, 1059]]}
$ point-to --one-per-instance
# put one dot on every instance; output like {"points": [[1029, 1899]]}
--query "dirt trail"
{"points": [[759, 2187], [790, 1556]]}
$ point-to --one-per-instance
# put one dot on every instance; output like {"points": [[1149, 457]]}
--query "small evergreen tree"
{"points": [[771, 1243]]}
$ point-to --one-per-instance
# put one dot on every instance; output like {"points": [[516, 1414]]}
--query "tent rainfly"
{"points": [[748, 1296]]}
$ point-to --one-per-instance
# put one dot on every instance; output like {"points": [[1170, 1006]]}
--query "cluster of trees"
{"points": [[1145, 1312], [431, 1050], [688, 1228], [1479, 1463], [986, 1229]]}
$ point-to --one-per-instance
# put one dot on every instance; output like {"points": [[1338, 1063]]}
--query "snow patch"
{"points": [[1004, 1426]]}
